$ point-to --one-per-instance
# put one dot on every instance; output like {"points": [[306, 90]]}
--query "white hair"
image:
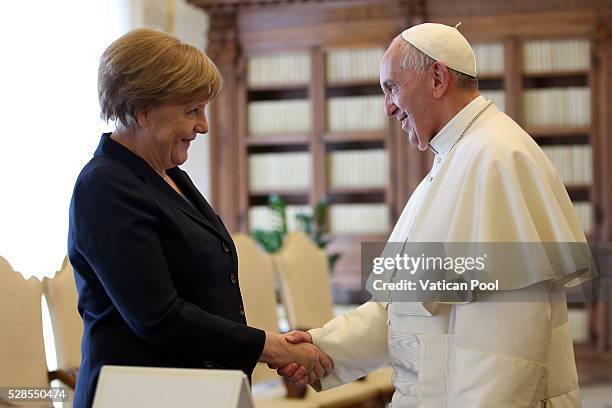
{"points": [[413, 58]]}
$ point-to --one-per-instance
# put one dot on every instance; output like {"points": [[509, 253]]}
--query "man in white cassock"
{"points": [[490, 182]]}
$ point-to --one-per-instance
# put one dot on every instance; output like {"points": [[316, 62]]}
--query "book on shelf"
{"points": [[556, 55], [584, 211], [359, 218], [261, 217], [363, 64], [579, 323], [355, 113], [497, 96], [357, 168], [569, 106], [282, 116], [282, 171], [278, 69], [489, 58], [574, 163]]}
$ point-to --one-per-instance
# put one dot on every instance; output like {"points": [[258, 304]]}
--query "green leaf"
{"points": [[313, 225]]}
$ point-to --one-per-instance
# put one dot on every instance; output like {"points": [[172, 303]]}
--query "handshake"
{"points": [[295, 357]]}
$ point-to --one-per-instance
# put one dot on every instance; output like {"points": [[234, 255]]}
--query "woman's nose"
{"points": [[202, 125]]}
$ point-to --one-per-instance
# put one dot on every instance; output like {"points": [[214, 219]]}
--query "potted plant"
{"points": [[314, 225]]}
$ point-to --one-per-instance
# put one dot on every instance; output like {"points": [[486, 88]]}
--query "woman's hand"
{"points": [[294, 373], [311, 363]]}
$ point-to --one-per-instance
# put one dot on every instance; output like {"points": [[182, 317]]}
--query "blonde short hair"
{"points": [[147, 67]]}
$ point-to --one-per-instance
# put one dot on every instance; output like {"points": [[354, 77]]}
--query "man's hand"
{"points": [[292, 350], [296, 374]]}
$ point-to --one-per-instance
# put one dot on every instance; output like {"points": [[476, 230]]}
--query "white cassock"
{"points": [[492, 185]]}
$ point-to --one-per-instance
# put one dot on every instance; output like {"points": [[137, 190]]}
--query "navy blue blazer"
{"points": [[157, 275]]}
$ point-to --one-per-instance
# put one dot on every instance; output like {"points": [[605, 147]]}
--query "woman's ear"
{"points": [[441, 79], [143, 117]]}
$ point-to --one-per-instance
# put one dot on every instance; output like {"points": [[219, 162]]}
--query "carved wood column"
{"points": [[513, 79], [603, 67], [317, 146], [408, 164], [602, 152], [223, 49]]}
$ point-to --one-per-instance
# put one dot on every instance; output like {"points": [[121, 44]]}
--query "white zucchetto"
{"points": [[444, 44]]}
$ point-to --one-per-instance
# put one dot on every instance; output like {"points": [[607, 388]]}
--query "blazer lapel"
{"points": [[204, 215], [199, 202], [173, 198]]}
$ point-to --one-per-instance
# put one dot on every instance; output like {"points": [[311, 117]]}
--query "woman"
{"points": [[155, 269]]}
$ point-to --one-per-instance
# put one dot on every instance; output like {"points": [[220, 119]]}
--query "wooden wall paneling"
{"points": [[391, 191], [223, 50], [513, 80], [602, 72], [330, 23], [551, 23], [405, 160], [242, 151], [258, 4], [263, 40], [411, 166], [318, 112], [594, 83], [603, 60], [445, 8], [399, 165]]}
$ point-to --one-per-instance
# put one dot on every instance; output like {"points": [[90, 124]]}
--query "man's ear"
{"points": [[441, 80], [143, 117]]}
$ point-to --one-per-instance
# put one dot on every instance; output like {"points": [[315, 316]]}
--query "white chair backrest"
{"points": [[305, 285], [61, 295], [22, 350], [256, 277]]}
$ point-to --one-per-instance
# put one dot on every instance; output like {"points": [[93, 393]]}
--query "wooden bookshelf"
{"points": [[290, 197], [281, 192], [579, 192], [278, 88], [355, 136], [554, 25], [557, 74], [365, 84], [240, 30], [277, 94], [356, 195], [557, 131], [278, 140], [490, 77], [356, 190]]}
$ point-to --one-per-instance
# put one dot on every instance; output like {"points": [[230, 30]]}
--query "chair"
{"points": [[306, 292], [61, 295], [304, 275], [22, 349], [256, 278], [349, 395]]}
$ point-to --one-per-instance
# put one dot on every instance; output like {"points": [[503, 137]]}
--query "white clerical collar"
{"points": [[451, 132]]}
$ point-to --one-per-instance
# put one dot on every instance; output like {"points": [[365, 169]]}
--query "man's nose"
{"points": [[390, 108]]}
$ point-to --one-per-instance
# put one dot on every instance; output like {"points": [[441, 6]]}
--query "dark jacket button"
{"points": [[226, 248], [241, 310], [233, 278]]}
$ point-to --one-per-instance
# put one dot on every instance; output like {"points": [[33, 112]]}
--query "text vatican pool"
{"points": [[426, 284]]}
